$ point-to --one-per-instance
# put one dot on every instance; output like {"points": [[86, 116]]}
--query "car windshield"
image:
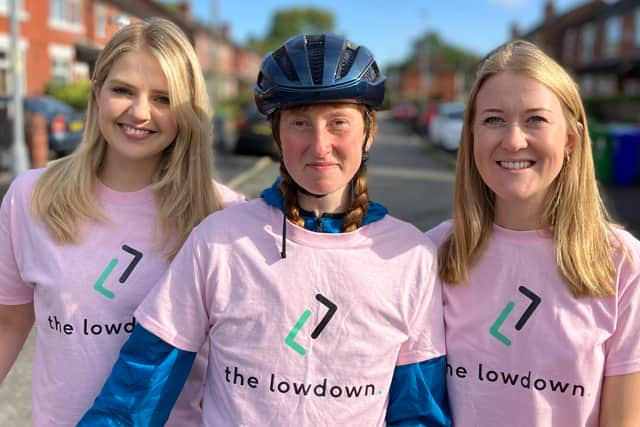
{"points": [[47, 105]]}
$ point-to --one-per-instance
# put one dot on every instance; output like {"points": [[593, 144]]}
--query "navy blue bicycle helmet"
{"points": [[314, 68]]}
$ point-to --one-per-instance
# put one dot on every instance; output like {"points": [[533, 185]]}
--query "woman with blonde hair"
{"points": [[542, 289], [85, 239]]}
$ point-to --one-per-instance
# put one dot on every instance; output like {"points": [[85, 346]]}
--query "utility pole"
{"points": [[425, 52], [214, 92], [19, 148]]}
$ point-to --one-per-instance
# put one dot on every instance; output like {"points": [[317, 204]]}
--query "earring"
{"points": [[568, 157]]}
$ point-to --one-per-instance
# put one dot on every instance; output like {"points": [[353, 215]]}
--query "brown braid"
{"points": [[360, 204], [290, 197]]}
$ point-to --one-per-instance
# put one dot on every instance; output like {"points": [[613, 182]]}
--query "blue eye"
{"points": [[537, 119], [163, 100], [493, 120]]}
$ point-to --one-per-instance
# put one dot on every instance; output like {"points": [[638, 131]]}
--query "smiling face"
{"points": [[520, 140], [134, 113], [322, 149]]}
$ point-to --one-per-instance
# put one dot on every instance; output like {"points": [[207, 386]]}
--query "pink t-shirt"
{"points": [[308, 340], [84, 296], [521, 350]]}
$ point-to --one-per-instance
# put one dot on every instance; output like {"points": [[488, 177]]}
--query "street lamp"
{"points": [[19, 149]]}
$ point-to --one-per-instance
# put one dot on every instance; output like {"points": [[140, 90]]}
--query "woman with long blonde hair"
{"points": [[541, 288], [85, 239]]}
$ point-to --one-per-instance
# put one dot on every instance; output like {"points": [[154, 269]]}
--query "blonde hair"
{"points": [[360, 201], [65, 193], [573, 209]]}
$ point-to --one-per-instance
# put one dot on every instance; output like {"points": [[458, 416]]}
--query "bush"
{"points": [[75, 93]]}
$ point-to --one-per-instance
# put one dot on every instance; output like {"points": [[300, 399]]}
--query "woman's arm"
{"points": [[144, 384], [418, 395], [15, 324], [620, 401]]}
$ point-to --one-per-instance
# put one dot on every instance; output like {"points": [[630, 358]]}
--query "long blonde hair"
{"points": [[65, 193], [573, 209], [360, 198]]}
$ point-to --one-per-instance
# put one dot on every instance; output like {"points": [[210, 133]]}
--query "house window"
{"points": [[637, 26], [588, 42], [61, 63], [75, 9], [60, 68], [66, 15], [57, 10], [569, 43], [613, 35], [101, 20]]}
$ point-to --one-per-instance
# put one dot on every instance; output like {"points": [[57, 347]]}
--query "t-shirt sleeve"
{"points": [[228, 197], [623, 347], [440, 232], [13, 289], [176, 309], [426, 331]]}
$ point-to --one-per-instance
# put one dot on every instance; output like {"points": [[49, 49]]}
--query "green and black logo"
{"points": [[495, 328], [99, 285], [290, 339]]}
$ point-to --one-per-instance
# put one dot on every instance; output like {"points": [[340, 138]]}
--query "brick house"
{"points": [[598, 42], [60, 40], [421, 80]]}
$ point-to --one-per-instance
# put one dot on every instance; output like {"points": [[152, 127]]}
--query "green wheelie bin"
{"points": [[602, 147]]}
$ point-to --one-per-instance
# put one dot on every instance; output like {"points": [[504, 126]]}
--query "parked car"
{"points": [[253, 132], [224, 132], [424, 117], [404, 112], [445, 128], [64, 124]]}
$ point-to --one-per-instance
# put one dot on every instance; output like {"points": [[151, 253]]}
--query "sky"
{"points": [[389, 27]]}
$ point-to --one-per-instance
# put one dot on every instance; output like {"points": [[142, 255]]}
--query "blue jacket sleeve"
{"points": [[144, 384], [418, 395]]}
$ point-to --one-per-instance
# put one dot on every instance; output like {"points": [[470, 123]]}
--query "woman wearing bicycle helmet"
{"points": [[320, 307]]}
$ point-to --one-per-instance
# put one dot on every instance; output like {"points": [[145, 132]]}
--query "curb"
{"points": [[259, 166], [446, 159]]}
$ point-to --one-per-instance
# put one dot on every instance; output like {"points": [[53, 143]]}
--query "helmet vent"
{"points": [[315, 51], [346, 60], [372, 73], [281, 57]]}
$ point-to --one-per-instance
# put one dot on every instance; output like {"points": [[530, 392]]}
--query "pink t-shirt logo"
{"points": [[99, 285], [495, 328], [290, 339]]}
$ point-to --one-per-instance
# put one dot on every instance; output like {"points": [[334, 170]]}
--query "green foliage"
{"points": [[75, 93], [231, 107], [286, 23], [449, 55]]}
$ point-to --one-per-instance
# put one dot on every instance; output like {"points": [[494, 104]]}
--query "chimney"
{"points": [[515, 31], [224, 31], [548, 10], [184, 9]]}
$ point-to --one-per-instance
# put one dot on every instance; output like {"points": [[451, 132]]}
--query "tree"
{"points": [[448, 55], [286, 23]]}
